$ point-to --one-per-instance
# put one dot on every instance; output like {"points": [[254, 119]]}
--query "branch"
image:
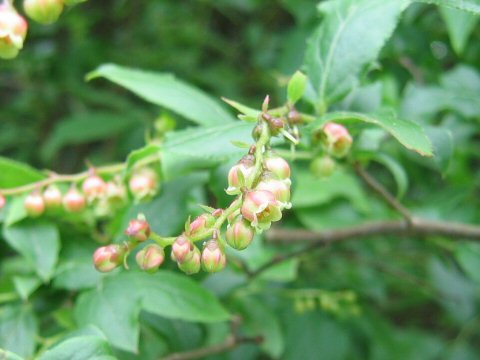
{"points": [[317, 240], [383, 192]]}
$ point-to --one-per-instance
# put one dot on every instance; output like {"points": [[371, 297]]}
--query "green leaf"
{"points": [[397, 171], [350, 37], [16, 210], [409, 134], [114, 307], [252, 114], [26, 285], [468, 255], [7, 355], [167, 91], [140, 154], [17, 174], [18, 328], [39, 244], [460, 25], [466, 5], [259, 319], [296, 87], [83, 128], [80, 348]]}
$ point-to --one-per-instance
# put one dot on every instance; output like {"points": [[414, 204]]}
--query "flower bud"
{"points": [[192, 265], [231, 218], [213, 258], [150, 258], [239, 234], [279, 188], [143, 184], [115, 192], [34, 204], [201, 224], [43, 11], [244, 168], [261, 208], [182, 249], [2, 201], [277, 165], [13, 30], [138, 229], [336, 139], [52, 197], [93, 187], [107, 258], [74, 201], [275, 125], [323, 166]]}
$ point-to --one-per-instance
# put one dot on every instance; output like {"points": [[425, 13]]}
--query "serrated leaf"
{"points": [[460, 25], [39, 244], [80, 348], [167, 91], [296, 87], [14, 173], [114, 307], [409, 134], [350, 37], [466, 5]]}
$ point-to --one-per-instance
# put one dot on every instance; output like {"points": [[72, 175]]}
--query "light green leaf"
{"points": [[140, 154], [460, 25], [114, 307], [252, 114], [16, 174], [7, 355], [350, 37], [296, 87], [26, 285], [397, 171], [409, 134], [167, 91], [80, 348], [82, 128], [468, 255], [18, 328], [16, 210], [39, 243], [466, 5]]}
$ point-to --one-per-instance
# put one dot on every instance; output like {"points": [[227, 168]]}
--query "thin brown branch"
{"points": [[317, 240], [383, 192]]}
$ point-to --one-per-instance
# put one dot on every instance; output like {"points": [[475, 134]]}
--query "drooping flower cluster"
{"points": [[104, 196], [13, 26], [261, 183]]}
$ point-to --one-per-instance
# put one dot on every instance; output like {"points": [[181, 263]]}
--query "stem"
{"points": [[162, 241], [74, 178], [259, 149]]}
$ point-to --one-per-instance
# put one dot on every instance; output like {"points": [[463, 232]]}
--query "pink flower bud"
{"points": [[201, 224], [150, 258], [279, 188], [213, 258], [2, 201], [93, 187], [336, 139], [13, 30], [115, 192], [322, 166], [138, 230], [192, 265], [239, 234], [107, 258], [182, 249], [74, 201], [143, 184], [277, 165], [52, 197], [245, 167], [43, 11], [34, 204], [261, 208]]}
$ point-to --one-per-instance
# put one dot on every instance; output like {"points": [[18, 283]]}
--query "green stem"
{"points": [[162, 241]]}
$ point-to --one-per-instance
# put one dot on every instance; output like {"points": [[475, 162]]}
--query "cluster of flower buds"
{"points": [[261, 183], [336, 142], [13, 26], [103, 196]]}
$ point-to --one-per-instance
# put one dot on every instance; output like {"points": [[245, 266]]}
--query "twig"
{"points": [[317, 240], [383, 192], [232, 341]]}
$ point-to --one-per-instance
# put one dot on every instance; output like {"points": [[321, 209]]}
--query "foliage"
{"points": [[402, 76]]}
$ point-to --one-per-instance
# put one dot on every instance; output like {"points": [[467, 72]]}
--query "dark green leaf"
{"points": [[165, 90], [398, 172], [39, 243], [468, 255]]}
